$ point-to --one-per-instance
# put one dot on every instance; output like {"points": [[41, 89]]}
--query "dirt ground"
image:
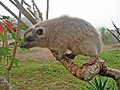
{"points": [[44, 54], [36, 53]]}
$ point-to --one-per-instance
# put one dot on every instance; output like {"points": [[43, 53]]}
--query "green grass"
{"points": [[112, 58], [51, 75]]}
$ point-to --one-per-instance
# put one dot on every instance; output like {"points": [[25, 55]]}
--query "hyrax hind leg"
{"points": [[92, 52]]}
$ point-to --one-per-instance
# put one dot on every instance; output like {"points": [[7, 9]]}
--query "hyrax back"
{"points": [[63, 33]]}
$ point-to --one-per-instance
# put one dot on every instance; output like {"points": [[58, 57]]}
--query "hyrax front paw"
{"points": [[70, 56]]}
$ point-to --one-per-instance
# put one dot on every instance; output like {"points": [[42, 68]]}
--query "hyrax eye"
{"points": [[28, 39], [39, 32]]}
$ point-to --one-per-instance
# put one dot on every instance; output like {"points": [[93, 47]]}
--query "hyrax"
{"points": [[62, 33]]}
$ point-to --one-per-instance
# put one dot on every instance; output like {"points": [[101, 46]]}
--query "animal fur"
{"points": [[63, 33]]}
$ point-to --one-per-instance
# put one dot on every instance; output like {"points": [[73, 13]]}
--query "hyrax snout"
{"points": [[62, 33]]}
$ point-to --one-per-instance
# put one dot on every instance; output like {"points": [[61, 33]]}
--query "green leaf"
{"points": [[5, 56], [113, 86], [105, 83], [96, 83], [100, 83], [16, 62], [1, 36], [24, 49], [19, 41], [12, 43], [93, 85], [23, 28], [13, 35], [5, 52]]}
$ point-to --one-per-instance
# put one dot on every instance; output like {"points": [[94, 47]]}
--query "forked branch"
{"points": [[87, 73]]}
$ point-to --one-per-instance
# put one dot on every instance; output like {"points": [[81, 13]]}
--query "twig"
{"points": [[114, 35], [13, 14], [25, 12], [47, 11], [14, 51], [115, 27], [40, 14]]}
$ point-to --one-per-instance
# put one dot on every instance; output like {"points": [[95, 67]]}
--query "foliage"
{"points": [[107, 38], [5, 51], [100, 84]]}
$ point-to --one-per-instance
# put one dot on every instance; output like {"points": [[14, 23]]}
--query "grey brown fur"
{"points": [[63, 33]]}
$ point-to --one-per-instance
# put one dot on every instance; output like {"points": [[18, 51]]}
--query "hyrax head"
{"points": [[33, 37]]}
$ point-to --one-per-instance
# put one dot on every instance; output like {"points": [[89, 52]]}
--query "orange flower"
{"points": [[1, 28], [9, 25]]}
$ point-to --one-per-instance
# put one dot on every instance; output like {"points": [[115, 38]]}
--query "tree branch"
{"points": [[25, 12], [15, 47], [115, 27], [114, 35], [4, 84], [39, 13], [47, 11], [87, 73], [13, 14]]}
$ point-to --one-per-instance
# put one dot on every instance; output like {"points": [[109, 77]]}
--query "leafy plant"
{"points": [[5, 52], [100, 84]]}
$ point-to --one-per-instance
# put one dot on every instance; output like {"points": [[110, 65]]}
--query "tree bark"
{"points": [[4, 84], [87, 73]]}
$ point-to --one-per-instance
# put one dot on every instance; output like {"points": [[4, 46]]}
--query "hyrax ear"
{"points": [[39, 31]]}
